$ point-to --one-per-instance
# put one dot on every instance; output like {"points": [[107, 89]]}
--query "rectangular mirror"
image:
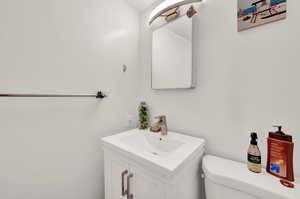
{"points": [[172, 65]]}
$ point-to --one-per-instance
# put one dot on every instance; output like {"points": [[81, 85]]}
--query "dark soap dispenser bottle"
{"points": [[254, 155]]}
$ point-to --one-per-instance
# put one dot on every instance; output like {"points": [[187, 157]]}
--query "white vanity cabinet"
{"points": [[125, 180], [116, 171], [130, 175]]}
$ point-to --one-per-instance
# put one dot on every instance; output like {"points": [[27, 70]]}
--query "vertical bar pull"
{"points": [[124, 192], [129, 195]]}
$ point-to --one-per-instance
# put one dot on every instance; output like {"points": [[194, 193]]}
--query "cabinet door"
{"points": [[116, 172], [145, 186]]}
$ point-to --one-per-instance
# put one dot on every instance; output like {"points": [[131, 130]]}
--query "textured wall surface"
{"points": [[50, 148]]}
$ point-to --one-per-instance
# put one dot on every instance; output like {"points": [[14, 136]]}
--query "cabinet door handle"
{"points": [[124, 192], [129, 195]]}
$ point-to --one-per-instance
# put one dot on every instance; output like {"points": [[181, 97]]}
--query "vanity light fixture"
{"points": [[171, 9]]}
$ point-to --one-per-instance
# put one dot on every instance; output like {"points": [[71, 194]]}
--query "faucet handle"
{"points": [[163, 124], [161, 117]]}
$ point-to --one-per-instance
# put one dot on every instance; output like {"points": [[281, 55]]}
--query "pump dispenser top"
{"points": [[254, 138], [279, 129], [279, 134]]}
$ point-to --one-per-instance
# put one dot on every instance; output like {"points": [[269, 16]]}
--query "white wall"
{"points": [[247, 81], [50, 148]]}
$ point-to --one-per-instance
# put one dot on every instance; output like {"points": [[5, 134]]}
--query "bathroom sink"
{"points": [[153, 143], [168, 153]]}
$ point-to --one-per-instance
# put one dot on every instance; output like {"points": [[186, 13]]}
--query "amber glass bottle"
{"points": [[254, 155]]}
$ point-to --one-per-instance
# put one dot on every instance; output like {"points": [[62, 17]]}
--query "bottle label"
{"points": [[278, 157], [254, 159]]}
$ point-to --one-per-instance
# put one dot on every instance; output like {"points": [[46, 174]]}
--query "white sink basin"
{"points": [[153, 143], [166, 152]]}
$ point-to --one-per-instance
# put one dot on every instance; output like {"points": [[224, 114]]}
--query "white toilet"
{"points": [[226, 179]]}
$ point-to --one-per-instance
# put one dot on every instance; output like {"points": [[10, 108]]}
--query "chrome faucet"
{"points": [[162, 123]]}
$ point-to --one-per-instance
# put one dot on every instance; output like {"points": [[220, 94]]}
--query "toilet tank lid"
{"points": [[236, 175]]}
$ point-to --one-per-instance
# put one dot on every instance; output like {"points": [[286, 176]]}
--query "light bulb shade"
{"points": [[169, 5]]}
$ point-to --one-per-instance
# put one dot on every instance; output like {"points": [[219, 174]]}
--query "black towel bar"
{"points": [[99, 95]]}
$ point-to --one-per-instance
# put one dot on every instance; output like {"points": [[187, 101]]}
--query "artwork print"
{"points": [[252, 13]]}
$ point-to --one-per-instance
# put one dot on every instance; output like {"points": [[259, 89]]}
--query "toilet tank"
{"points": [[226, 179]]}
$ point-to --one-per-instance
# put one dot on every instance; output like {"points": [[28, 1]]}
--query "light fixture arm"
{"points": [[169, 5]]}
